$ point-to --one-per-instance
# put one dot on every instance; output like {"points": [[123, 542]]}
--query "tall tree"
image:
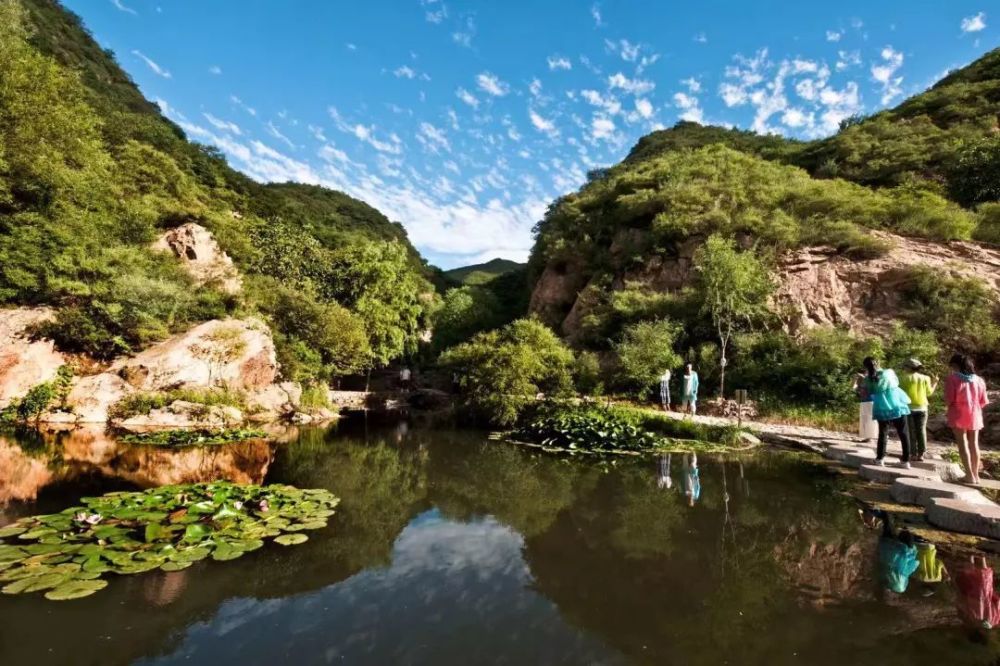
{"points": [[734, 288]]}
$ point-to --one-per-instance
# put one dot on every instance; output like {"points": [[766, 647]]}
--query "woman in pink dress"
{"points": [[965, 395]]}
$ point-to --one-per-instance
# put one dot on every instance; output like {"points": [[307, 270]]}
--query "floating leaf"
{"points": [[291, 539], [75, 589], [12, 530], [174, 566]]}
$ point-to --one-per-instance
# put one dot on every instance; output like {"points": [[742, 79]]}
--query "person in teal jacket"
{"points": [[890, 406], [689, 390]]}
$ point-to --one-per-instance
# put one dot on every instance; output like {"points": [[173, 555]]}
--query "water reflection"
{"points": [[448, 549]]}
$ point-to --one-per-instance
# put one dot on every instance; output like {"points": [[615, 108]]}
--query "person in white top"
{"points": [[404, 378], [665, 390]]}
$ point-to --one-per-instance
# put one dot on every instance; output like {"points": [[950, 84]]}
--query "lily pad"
{"points": [[291, 539], [75, 589], [175, 566], [11, 530]]}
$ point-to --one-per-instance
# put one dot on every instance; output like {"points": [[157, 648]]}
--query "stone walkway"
{"points": [[934, 484]]}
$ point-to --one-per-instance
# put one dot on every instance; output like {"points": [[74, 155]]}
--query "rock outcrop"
{"points": [[24, 362], [817, 286], [201, 256]]}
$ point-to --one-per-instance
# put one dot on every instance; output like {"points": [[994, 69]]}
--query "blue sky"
{"points": [[463, 119]]}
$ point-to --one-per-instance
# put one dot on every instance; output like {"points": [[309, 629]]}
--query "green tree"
{"points": [[734, 287], [645, 351], [464, 312], [500, 372]]}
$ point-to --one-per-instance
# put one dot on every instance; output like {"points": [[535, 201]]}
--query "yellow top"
{"points": [[917, 386]]}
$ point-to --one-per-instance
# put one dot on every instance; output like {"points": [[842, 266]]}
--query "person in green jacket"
{"points": [[890, 407], [919, 387]]}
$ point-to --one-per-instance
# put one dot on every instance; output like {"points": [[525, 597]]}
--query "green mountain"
{"points": [[91, 173], [480, 273]]}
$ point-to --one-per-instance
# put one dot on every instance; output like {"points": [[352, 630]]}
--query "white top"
{"points": [[404, 374], [687, 384], [665, 377]]}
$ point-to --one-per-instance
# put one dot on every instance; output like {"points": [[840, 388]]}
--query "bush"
{"points": [[645, 351], [141, 404], [960, 310], [501, 372], [587, 374], [40, 398], [183, 438]]}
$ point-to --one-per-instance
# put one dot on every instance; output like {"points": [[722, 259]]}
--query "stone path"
{"points": [[930, 484]]}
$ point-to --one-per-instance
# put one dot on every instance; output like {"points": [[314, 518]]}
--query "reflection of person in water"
{"points": [[978, 603], [931, 569], [692, 484], [897, 553], [663, 479]]}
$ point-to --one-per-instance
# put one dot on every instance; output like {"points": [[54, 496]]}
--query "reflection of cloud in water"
{"points": [[454, 593]]}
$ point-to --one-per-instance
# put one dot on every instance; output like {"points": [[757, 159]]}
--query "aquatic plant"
{"points": [[168, 528], [587, 429], [181, 438]]}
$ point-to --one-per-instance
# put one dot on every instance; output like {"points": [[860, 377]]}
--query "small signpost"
{"points": [[741, 399]]}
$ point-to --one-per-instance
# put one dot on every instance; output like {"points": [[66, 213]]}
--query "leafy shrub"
{"points": [[183, 438], [988, 230], [961, 310], [141, 404], [591, 430], [465, 311], [645, 351], [40, 398], [500, 372], [587, 376], [315, 396]]}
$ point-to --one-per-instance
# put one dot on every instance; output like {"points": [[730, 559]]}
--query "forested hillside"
{"points": [[91, 174], [848, 235]]}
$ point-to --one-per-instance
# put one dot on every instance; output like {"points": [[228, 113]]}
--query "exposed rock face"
{"points": [[201, 256], [817, 286], [274, 401], [235, 353], [91, 397], [820, 287], [24, 363]]}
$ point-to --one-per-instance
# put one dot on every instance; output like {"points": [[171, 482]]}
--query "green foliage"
{"points": [[961, 310], [500, 372], [587, 377], [988, 230], [465, 311], [186, 437], [142, 403], [314, 396], [974, 178], [166, 528], [482, 273], [40, 398], [645, 351]]}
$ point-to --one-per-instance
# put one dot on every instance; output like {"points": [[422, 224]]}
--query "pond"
{"points": [[450, 549]]}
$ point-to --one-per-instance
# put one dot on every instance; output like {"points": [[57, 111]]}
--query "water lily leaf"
{"points": [[87, 575], [190, 554], [291, 539], [225, 552], [153, 532], [75, 589], [202, 507], [314, 525], [12, 530], [35, 583], [36, 533], [196, 531], [174, 566]]}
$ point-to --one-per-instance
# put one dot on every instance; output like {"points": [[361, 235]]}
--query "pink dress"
{"points": [[965, 399]]}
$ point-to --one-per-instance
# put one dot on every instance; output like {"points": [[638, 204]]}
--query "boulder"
{"points": [[91, 397], [234, 353], [183, 414], [24, 363], [273, 402], [880, 474], [201, 256]]}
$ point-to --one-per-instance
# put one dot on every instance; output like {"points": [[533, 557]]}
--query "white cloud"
{"points": [[467, 97], [433, 138], [351, 46], [701, 38], [223, 125], [834, 35], [238, 102], [847, 59], [838, 105], [159, 71], [974, 23], [796, 118], [535, 87], [122, 8], [595, 13], [633, 86], [602, 128], [884, 74], [559, 62], [610, 103], [435, 11], [492, 84], [276, 133], [693, 84], [464, 36], [628, 51], [404, 72], [690, 107], [215, 69], [542, 124], [644, 108]]}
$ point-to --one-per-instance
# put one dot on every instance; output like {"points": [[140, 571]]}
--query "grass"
{"points": [[141, 404], [840, 420]]}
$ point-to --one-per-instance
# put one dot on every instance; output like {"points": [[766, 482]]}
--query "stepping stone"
{"points": [[838, 451], [922, 491], [948, 471], [958, 516], [865, 457], [843, 442], [890, 474]]}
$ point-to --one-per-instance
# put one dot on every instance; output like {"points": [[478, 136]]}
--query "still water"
{"points": [[449, 549]]}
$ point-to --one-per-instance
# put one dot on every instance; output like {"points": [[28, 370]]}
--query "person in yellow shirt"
{"points": [[919, 387]]}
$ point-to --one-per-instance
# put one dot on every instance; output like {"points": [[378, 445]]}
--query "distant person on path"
{"points": [[405, 378], [965, 395], [918, 387], [665, 390], [689, 390], [890, 406], [692, 480], [867, 427]]}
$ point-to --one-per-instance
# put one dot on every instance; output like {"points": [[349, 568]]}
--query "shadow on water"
{"points": [[448, 549]]}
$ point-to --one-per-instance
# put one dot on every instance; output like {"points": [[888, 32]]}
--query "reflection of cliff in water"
{"points": [[32, 461]]}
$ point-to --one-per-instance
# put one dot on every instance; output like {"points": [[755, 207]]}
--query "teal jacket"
{"points": [[693, 393], [889, 402]]}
